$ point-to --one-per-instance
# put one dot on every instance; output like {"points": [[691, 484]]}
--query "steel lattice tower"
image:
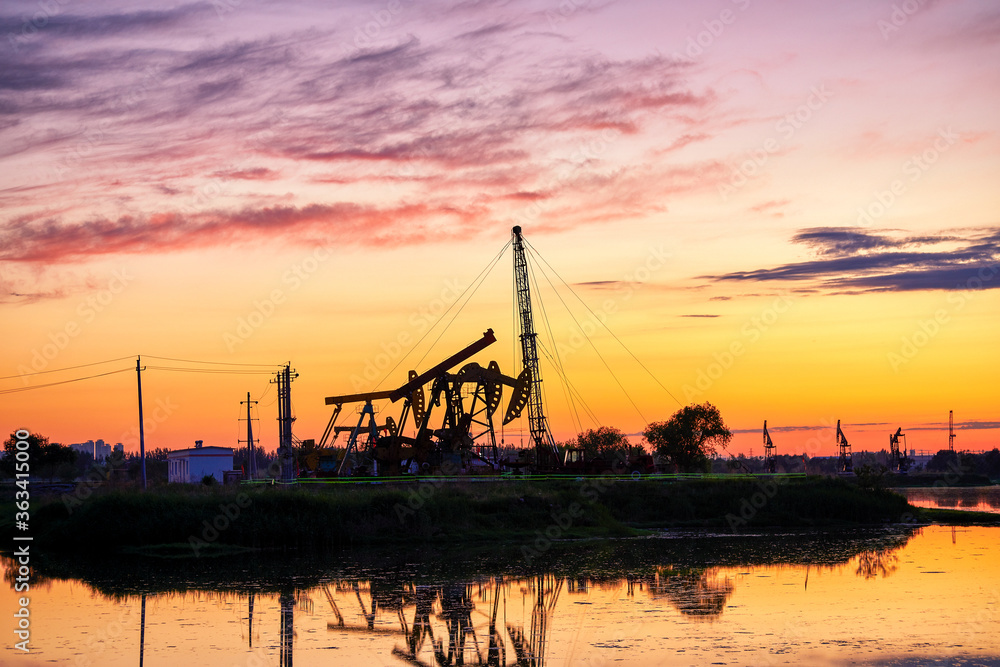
{"points": [[537, 425], [285, 454]]}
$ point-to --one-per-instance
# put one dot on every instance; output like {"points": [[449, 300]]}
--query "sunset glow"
{"points": [[787, 209]]}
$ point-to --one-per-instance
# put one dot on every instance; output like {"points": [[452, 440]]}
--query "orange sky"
{"points": [[787, 211]]}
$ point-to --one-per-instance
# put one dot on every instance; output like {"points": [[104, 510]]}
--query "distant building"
{"points": [[83, 447], [102, 450], [99, 449], [190, 466]]}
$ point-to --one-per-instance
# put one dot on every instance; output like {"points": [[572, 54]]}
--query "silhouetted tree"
{"points": [[944, 461], [606, 442], [871, 476], [45, 459], [689, 437]]}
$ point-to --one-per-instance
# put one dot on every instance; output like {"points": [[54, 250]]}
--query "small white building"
{"points": [[190, 466]]}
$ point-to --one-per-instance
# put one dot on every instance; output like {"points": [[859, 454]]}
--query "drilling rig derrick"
{"points": [[546, 452], [951, 430]]}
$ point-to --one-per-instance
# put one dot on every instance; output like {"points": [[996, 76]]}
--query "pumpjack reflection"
{"points": [[433, 617], [454, 623], [468, 623]]}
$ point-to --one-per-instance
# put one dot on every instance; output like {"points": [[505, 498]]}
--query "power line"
{"points": [[573, 391], [607, 328], [52, 384], [68, 368], [210, 370], [486, 271], [214, 363], [475, 288], [560, 370], [534, 253]]}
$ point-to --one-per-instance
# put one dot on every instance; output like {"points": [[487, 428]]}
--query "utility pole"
{"points": [[285, 455], [251, 456], [142, 433], [545, 446]]}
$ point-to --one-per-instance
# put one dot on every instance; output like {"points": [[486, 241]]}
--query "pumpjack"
{"points": [[896, 455], [770, 451], [468, 400], [845, 464]]}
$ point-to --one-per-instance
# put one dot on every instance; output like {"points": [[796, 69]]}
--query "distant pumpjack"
{"points": [[546, 452], [845, 463], [895, 454], [770, 451]]}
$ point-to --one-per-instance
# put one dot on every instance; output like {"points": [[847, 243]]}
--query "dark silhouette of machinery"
{"points": [[845, 462], [897, 454], [770, 451], [464, 402], [951, 430], [546, 452]]}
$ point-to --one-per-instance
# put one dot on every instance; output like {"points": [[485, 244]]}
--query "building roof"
{"points": [[210, 450]]}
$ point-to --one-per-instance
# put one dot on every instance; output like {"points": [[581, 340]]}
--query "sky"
{"points": [[787, 209]]}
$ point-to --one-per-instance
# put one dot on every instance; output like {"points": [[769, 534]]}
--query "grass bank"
{"points": [[219, 519]]}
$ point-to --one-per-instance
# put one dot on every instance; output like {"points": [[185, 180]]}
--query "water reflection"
{"points": [[459, 623], [699, 593], [287, 601], [874, 563], [973, 498], [488, 607], [142, 632]]}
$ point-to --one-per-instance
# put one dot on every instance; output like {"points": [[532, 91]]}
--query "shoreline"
{"points": [[309, 518]]}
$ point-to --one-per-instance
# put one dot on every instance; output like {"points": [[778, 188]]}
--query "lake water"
{"points": [[974, 498], [895, 596]]}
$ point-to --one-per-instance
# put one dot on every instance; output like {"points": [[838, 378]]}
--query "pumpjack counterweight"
{"points": [[545, 447]]}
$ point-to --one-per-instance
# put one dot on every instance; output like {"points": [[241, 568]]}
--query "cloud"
{"points": [[525, 126], [42, 240], [968, 425], [773, 207], [852, 261], [784, 429], [97, 26], [249, 174]]}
